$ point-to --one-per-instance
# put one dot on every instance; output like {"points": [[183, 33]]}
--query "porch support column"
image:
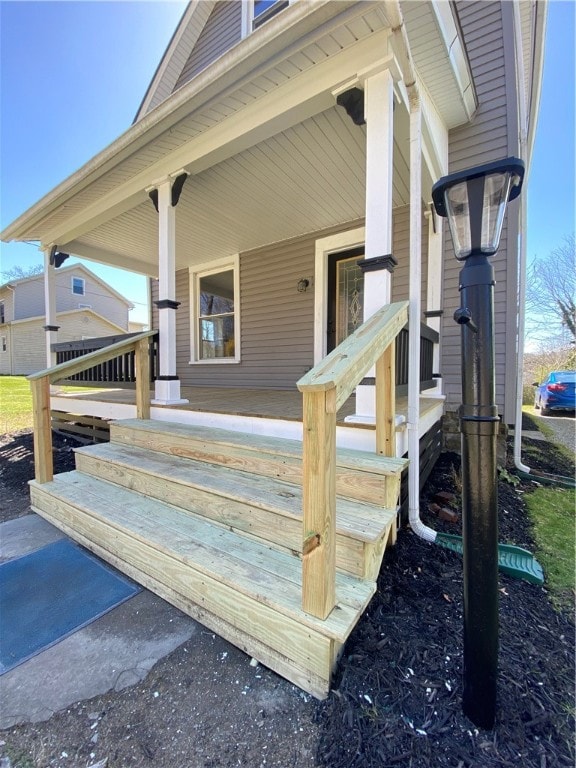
{"points": [[50, 327], [379, 262], [167, 385]]}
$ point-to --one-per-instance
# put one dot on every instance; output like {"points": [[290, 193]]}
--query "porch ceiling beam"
{"points": [[103, 256], [287, 105]]}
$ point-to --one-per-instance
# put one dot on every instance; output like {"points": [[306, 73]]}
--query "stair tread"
{"points": [[265, 574], [360, 520], [345, 457]]}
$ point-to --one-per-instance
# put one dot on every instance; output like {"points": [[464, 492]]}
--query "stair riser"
{"points": [[309, 654], [352, 556], [353, 484]]}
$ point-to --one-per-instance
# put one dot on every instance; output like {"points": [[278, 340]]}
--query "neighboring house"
{"points": [[86, 307], [276, 187]]}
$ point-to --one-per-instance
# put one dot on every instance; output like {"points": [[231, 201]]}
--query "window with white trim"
{"points": [[215, 335], [3, 344], [258, 12], [78, 286], [2, 313]]}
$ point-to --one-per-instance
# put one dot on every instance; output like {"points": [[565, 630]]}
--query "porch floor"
{"points": [[261, 403]]}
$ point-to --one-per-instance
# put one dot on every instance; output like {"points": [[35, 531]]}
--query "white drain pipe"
{"points": [[402, 50]]}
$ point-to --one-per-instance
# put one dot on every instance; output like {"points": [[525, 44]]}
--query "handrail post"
{"points": [[142, 372], [385, 393], [319, 491], [43, 462]]}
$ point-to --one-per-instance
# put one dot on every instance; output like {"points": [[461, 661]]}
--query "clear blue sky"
{"points": [[73, 75]]}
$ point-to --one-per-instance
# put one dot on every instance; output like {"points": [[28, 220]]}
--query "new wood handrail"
{"points": [[40, 384], [325, 388]]}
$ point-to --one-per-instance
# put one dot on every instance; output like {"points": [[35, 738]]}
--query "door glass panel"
{"points": [[349, 297]]}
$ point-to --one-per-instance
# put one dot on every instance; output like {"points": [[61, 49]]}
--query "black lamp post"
{"points": [[475, 202]]}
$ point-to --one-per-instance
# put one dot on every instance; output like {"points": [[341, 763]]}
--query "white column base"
{"points": [[167, 392]]}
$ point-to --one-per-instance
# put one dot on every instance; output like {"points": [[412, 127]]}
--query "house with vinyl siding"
{"points": [[275, 187], [86, 307]]}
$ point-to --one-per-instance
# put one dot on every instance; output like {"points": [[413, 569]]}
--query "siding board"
{"points": [[221, 32], [484, 139]]}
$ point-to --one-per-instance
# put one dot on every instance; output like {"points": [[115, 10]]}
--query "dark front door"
{"points": [[345, 295]]}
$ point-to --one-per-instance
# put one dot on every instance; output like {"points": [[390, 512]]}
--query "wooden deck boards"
{"points": [[262, 403], [158, 532]]}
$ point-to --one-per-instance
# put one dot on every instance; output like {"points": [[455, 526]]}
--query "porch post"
{"points": [[50, 327], [167, 385], [379, 261]]}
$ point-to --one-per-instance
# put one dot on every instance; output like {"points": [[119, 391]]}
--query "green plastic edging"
{"points": [[563, 482], [513, 561]]}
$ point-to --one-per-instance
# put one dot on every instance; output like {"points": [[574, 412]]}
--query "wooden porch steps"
{"points": [[211, 521]]}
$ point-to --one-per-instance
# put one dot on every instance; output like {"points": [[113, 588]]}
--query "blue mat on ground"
{"points": [[49, 594]]}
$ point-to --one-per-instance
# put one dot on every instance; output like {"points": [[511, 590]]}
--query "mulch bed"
{"points": [[396, 700]]}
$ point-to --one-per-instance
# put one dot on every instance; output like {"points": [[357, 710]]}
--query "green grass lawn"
{"points": [[552, 511], [15, 404]]}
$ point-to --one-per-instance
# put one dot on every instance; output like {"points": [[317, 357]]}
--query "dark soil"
{"points": [[396, 699]]}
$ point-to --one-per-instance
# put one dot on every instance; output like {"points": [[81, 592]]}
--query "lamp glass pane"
{"points": [[458, 210], [458, 207], [496, 191]]}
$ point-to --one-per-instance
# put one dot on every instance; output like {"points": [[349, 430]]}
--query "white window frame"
{"points": [[2, 312], [248, 15], [3, 344], [80, 279], [196, 273]]}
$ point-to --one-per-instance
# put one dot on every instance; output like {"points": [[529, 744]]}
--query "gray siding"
{"points": [[277, 322], [29, 300], [485, 139], [6, 297], [223, 30], [401, 250]]}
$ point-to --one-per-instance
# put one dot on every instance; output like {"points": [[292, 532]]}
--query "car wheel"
{"points": [[543, 410]]}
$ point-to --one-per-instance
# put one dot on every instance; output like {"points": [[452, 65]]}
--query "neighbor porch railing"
{"points": [[41, 381], [325, 388], [119, 370]]}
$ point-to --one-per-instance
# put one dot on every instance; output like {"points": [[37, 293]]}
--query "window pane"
{"points": [[78, 286], [217, 337], [265, 9], [217, 293]]}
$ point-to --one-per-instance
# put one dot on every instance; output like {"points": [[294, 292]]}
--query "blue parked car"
{"points": [[556, 393]]}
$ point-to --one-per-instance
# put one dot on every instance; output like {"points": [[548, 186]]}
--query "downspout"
{"points": [[523, 139], [402, 49]]}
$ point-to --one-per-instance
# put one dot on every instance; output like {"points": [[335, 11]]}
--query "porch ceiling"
{"points": [[306, 178]]}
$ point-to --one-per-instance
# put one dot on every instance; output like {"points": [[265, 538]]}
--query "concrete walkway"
{"points": [[115, 651]]}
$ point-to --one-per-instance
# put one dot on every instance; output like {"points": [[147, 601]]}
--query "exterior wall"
{"points": [[277, 322], [485, 139], [28, 339], [29, 301], [6, 357], [401, 250], [222, 30], [7, 297]]}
